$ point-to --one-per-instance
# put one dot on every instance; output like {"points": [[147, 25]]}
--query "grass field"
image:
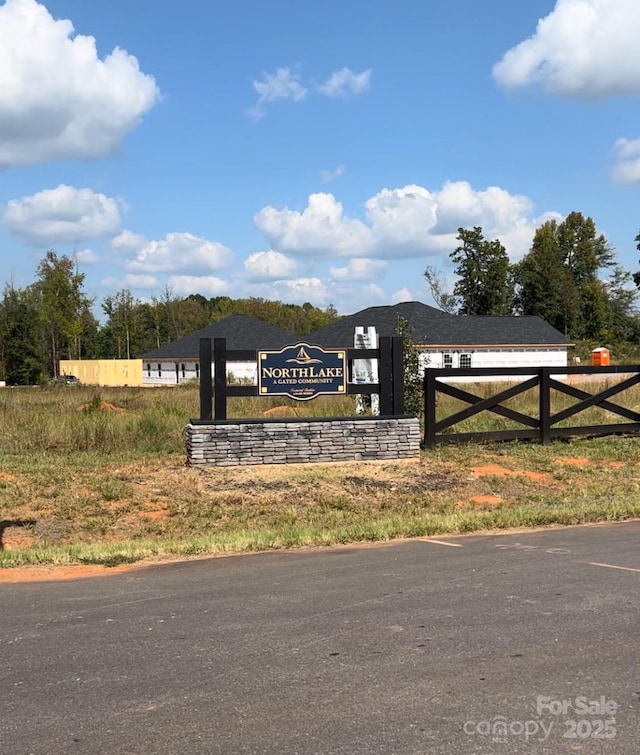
{"points": [[99, 477]]}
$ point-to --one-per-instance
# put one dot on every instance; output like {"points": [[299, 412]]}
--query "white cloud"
{"points": [[346, 83], [319, 230], [207, 285], [58, 99], [584, 48], [293, 291], [180, 251], [373, 293], [331, 175], [627, 168], [87, 257], [263, 266], [128, 241], [402, 295], [347, 296], [401, 223], [148, 282], [359, 269], [301, 290], [401, 220], [281, 85], [62, 215]]}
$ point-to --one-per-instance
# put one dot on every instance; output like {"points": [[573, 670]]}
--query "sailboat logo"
{"points": [[303, 358]]}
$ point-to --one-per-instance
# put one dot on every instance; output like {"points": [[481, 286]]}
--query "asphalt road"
{"points": [[513, 643]]}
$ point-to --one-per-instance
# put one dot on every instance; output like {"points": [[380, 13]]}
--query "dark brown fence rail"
{"points": [[544, 425]]}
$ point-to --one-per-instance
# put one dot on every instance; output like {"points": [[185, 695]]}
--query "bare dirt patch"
{"points": [[495, 470], [281, 411], [103, 406], [491, 500], [59, 573]]}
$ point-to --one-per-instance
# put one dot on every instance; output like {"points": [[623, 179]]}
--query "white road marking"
{"points": [[612, 566], [441, 542]]}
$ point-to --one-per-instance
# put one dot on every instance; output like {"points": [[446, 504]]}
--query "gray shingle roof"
{"points": [[241, 332], [432, 327]]}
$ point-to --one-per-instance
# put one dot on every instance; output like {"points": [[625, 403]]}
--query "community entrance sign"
{"points": [[302, 372]]}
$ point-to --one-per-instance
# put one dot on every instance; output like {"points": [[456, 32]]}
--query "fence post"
{"points": [[220, 378], [545, 405], [386, 376], [429, 408], [205, 378], [397, 351]]}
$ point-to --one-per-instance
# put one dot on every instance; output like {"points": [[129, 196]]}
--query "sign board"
{"points": [[302, 372]]}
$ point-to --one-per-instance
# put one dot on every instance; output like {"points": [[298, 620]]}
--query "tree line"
{"points": [[569, 277], [53, 319]]}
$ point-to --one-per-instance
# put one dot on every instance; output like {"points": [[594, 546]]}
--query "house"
{"points": [[443, 340], [179, 361], [451, 341]]}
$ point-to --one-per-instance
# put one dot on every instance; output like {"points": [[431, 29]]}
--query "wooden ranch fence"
{"points": [[542, 425]]}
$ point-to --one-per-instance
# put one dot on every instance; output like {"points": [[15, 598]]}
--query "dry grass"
{"points": [[108, 484]]}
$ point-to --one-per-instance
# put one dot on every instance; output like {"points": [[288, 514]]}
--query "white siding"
{"points": [[499, 357], [173, 373]]}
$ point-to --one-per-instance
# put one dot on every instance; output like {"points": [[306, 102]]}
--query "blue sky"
{"points": [[323, 152]]}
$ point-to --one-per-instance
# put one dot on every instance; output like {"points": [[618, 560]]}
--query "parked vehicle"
{"points": [[65, 380]]}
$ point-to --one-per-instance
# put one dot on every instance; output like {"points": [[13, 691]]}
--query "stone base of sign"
{"points": [[286, 441]]}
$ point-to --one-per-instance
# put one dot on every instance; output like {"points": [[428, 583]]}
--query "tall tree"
{"points": [[484, 285], [558, 278], [546, 287], [20, 340], [585, 252], [63, 307], [621, 301], [122, 311]]}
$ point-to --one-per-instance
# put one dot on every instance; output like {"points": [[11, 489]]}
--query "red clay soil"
{"points": [[59, 573], [495, 470]]}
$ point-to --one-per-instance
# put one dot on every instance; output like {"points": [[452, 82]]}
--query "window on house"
{"points": [[159, 370], [148, 369], [198, 370], [447, 361], [182, 367], [465, 361]]}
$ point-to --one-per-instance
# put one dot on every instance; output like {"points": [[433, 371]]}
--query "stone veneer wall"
{"points": [[240, 442]]}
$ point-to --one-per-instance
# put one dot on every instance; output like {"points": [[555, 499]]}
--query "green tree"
{"points": [[413, 390], [484, 285], [585, 252], [123, 313], [594, 311], [546, 287], [63, 308], [621, 302], [20, 337], [559, 277]]}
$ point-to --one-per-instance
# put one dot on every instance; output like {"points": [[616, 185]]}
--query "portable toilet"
{"points": [[600, 357]]}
